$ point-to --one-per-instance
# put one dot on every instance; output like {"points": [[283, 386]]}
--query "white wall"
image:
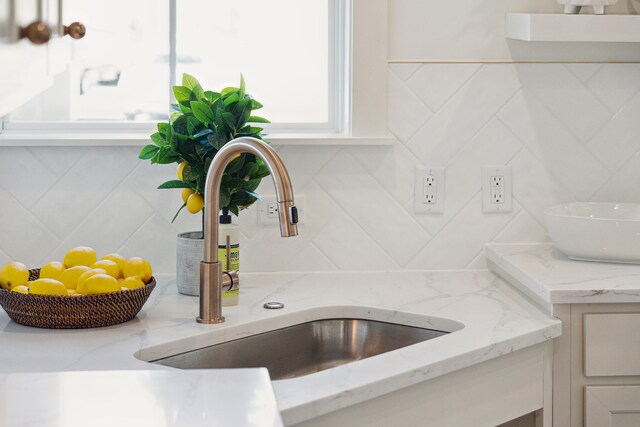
{"points": [[570, 132], [440, 30]]}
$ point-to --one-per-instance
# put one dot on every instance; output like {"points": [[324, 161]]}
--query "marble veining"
{"points": [[239, 398], [489, 318], [554, 278]]}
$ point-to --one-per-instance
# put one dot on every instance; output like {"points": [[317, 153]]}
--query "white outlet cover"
{"points": [[419, 203], [263, 210], [489, 182]]}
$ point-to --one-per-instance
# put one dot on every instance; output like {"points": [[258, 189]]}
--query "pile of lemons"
{"points": [[80, 274]]}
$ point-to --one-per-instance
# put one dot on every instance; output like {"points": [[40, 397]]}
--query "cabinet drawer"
{"points": [[612, 406], [611, 344]]}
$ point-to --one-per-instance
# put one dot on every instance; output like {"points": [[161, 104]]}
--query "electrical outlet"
{"points": [[429, 190], [496, 189], [268, 210]]}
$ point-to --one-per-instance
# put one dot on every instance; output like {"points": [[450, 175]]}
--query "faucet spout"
{"points": [[210, 268]]}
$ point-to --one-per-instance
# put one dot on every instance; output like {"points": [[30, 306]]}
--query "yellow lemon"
{"points": [[110, 267], [81, 286], [22, 289], [181, 169], [117, 258], [132, 282], [81, 255], [186, 193], [195, 202], [102, 284], [14, 274], [140, 267], [70, 276], [47, 287], [52, 270]]}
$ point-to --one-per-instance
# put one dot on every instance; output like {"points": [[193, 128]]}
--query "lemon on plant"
{"points": [[117, 258], [81, 255], [81, 286], [132, 282], [13, 274], [102, 284], [186, 192], [52, 270], [136, 266], [180, 170], [195, 202], [22, 289], [47, 287], [110, 267], [70, 276]]}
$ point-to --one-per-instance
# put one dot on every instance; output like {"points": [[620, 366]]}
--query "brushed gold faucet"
{"points": [[211, 276]]}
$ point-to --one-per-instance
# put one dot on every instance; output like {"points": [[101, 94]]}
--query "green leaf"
{"points": [[174, 183], [225, 198], [231, 99], [148, 152], [235, 165], [158, 139], [211, 96], [164, 128], [228, 91], [257, 119], [202, 111], [166, 155], [183, 95], [177, 213], [255, 105], [189, 173], [189, 81], [243, 86], [234, 210], [202, 133], [229, 119]]}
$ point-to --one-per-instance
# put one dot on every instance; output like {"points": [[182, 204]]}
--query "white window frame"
{"points": [[360, 120]]}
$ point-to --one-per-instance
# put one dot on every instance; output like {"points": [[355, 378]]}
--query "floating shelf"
{"points": [[557, 27]]}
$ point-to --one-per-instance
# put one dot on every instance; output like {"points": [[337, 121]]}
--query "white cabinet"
{"points": [[596, 376], [612, 406], [27, 61]]}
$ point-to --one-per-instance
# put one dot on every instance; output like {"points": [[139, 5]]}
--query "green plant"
{"points": [[202, 123]]}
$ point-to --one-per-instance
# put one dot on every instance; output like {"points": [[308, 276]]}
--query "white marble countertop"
{"points": [[496, 319], [543, 272], [239, 398]]}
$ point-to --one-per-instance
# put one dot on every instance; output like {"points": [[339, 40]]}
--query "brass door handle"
{"points": [[75, 30], [37, 32]]}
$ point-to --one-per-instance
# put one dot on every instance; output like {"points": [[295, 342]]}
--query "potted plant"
{"points": [[202, 122]]}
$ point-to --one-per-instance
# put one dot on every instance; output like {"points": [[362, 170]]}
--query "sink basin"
{"points": [[607, 232], [304, 348]]}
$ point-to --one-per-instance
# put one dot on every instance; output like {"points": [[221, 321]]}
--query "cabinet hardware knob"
{"points": [[37, 32], [76, 30]]}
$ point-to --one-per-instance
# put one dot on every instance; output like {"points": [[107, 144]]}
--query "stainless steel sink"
{"points": [[305, 348]]}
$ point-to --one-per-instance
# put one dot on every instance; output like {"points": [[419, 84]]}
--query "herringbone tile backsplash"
{"points": [[569, 131]]}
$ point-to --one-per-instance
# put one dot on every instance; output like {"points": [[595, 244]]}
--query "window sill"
{"points": [[40, 139]]}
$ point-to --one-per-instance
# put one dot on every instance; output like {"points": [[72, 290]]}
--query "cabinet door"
{"points": [[612, 406]]}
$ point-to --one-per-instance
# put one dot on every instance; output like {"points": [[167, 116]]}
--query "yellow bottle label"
{"points": [[233, 265]]}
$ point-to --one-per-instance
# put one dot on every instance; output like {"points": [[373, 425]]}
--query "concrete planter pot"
{"points": [[189, 254], [572, 7]]}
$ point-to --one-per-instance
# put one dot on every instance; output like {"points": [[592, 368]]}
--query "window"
{"points": [[292, 53]]}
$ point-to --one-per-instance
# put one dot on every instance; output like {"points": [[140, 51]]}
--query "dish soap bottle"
{"points": [[229, 254]]}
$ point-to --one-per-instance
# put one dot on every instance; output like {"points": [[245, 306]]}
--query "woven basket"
{"points": [[74, 312]]}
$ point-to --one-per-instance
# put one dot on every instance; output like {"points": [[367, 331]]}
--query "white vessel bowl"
{"points": [[608, 232]]}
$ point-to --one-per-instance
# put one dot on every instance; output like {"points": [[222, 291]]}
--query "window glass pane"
{"points": [[118, 71], [280, 46]]}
